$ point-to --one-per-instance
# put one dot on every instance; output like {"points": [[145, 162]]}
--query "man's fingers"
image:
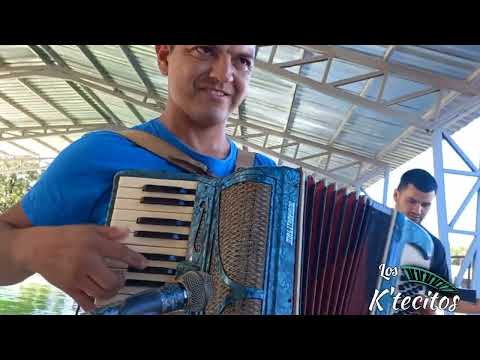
{"points": [[105, 277], [94, 290], [112, 232], [121, 252], [85, 301]]}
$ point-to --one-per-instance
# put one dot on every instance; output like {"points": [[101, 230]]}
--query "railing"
{"points": [[457, 261]]}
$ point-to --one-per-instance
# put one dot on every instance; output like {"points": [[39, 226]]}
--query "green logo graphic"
{"points": [[419, 275]]}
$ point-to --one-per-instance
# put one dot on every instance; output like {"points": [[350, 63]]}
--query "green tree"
{"points": [[32, 297], [13, 186]]}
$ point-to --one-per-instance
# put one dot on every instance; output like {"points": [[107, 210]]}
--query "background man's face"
{"points": [[414, 203], [207, 82]]}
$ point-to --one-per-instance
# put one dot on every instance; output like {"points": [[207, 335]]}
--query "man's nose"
{"points": [[417, 209], [222, 69]]}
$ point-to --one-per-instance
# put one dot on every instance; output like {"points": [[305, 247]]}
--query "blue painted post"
{"points": [[476, 240], [441, 203], [386, 178]]}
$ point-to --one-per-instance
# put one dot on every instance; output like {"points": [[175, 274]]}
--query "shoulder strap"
{"points": [[245, 159], [170, 153], [165, 150]]}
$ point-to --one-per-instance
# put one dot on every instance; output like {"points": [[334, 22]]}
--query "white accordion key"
{"points": [[158, 213]]}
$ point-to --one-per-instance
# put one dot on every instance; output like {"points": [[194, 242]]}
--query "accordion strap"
{"points": [[173, 155], [165, 150], [245, 159]]}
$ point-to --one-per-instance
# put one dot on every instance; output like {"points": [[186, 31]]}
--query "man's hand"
{"points": [[72, 258]]}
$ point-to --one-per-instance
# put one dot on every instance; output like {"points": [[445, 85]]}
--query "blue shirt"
{"points": [[76, 188]]}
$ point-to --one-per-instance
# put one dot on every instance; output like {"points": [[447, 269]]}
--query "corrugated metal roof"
{"points": [[347, 110]]}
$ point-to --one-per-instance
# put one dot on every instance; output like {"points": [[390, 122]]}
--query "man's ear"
{"points": [[163, 52], [396, 194]]}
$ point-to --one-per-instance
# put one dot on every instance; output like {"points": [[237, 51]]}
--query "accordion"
{"points": [[274, 242]]}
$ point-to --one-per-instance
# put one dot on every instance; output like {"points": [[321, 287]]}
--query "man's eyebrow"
{"points": [[247, 54]]}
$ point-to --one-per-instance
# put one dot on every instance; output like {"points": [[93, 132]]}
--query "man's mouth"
{"points": [[415, 219], [216, 92]]}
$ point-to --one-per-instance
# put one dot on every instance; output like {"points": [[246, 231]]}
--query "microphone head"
{"points": [[199, 286]]}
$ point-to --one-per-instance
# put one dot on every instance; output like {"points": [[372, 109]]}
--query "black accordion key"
{"points": [[162, 222], [159, 235], [168, 189], [143, 283], [162, 257], [153, 270], [162, 201]]}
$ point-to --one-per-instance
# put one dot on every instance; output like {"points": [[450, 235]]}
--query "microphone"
{"points": [[192, 293]]}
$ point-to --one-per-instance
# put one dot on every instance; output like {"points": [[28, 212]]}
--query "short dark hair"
{"points": [[419, 178]]}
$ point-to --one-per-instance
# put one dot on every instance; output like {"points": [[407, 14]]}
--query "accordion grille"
{"points": [[243, 231]]}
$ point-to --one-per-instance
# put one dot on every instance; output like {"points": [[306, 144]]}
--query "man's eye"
{"points": [[204, 50], [245, 64]]}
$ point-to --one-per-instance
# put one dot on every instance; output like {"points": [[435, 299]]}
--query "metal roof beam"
{"points": [[411, 96], [432, 115], [358, 78], [367, 176], [291, 114], [97, 104], [28, 114], [46, 131], [293, 161], [14, 159], [152, 93], [8, 141], [43, 54], [47, 101], [23, 169], [6, 122], [401, 117], [366, 87], [313, 156], [43, 143], [408, 72], [21, 109], [89, 83], [107, 77], [303, 61], [352, 164], [300, 162], [301, 140]]}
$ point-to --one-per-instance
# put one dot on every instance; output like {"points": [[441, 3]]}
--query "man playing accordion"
{"points": [[56, 230]]}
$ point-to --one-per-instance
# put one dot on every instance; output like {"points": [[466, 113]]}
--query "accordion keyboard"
{"points": [[158, 213]]}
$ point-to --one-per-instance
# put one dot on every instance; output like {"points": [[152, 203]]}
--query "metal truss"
{"points": [[22, 164], [258, 131], [21, 133], [414, 74], [368, 168], [131, 96], [432, 116], [445, 88], [445, 227]]}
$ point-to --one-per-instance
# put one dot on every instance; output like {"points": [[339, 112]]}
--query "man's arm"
{"points": [[70, 257], [11, 225]]}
